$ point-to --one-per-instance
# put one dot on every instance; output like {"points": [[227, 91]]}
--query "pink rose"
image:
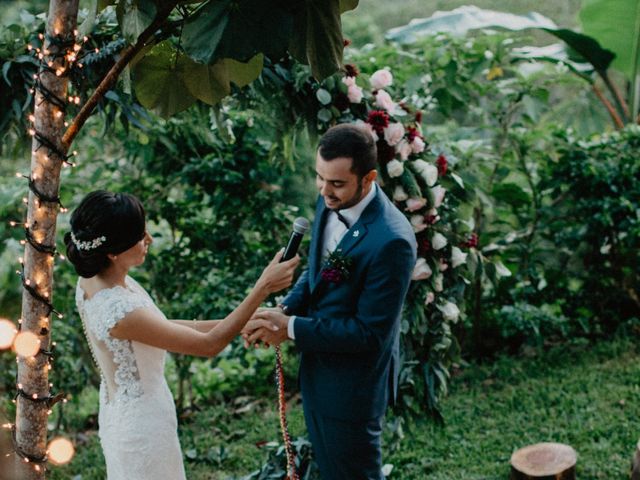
{"points": [[395, 168], [349, 81], [394, 133], [383, 100], [438, 195], [381, 79], [443, 265], [414, 204], [354, 93], [417, 145], [429, 298], [399, 195], [404, 149]]}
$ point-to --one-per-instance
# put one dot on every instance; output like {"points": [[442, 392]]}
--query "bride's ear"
{"points": [[112, 257]]}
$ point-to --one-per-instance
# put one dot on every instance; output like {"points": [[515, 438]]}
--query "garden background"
{"points": [[524, 316]]}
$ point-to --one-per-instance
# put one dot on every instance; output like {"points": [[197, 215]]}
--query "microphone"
{"points": [[300, 227]]}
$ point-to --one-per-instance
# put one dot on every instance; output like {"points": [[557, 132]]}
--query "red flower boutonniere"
{"points": [[336, 267]]}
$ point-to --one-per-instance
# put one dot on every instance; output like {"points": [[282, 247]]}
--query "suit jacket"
{"points": [[348, 332]]}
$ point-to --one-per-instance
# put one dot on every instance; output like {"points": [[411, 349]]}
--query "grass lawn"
{"points": [[587, 396]]}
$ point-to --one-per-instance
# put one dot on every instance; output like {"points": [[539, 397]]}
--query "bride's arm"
{"points": [[147, 326], [199, 325]]}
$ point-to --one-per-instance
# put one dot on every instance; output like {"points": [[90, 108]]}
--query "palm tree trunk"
{"points": [[46, 162]]}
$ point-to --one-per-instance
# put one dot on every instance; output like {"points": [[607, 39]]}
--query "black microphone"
{"points": [[300, 227]]}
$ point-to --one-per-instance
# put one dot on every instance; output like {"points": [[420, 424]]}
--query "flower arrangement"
{"points": [[421, 181], [336, 267]]}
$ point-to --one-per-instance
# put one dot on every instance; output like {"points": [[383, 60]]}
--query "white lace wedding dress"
{"points": [[137, 418]]}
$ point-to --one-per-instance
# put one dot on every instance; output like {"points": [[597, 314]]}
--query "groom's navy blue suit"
{"points": [[348, 336]]}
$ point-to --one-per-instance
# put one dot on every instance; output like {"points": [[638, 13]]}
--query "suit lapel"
{"points": [[315, 254]]}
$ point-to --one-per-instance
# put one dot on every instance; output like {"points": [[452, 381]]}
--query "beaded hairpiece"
{"points": [[89, 244]]}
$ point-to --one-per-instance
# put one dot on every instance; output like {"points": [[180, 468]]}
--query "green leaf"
{"points": [[237, 30], [346, 5], [159, 80], [135, 17], [512, 194], [616, 25], [317, 38], [323, 96]]}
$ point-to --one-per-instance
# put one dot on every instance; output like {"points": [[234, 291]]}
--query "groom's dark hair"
{"points": [[351, 141]]}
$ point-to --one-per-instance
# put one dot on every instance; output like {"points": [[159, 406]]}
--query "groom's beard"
{"points": [[353, 200]]}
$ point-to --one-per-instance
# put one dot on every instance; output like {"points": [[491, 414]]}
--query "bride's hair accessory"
{"points": [[89, 244]]}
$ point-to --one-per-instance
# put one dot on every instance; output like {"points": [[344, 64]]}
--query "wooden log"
{"points": [[544, 461], [635, 464]]}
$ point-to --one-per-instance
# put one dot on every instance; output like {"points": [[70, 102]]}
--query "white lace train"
{"points": [[137, 418]]}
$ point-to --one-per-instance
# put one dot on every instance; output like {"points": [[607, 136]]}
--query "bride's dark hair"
{"points": [[103, 223]]}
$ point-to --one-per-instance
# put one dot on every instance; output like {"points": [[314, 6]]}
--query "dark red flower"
{"points": [[341, 101], [419, 116], [472, 241], [431, 219], [423, 246], [379, 120], [386, 152], [346, 42], [412, 133], [441, 163], [351, 70], [331, 275]]}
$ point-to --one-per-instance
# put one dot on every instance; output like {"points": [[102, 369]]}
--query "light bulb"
{"points": [[26, 344], [60, 451], [7, 333]]}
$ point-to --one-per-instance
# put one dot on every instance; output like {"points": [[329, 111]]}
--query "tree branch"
{"points": [[615, 92], [110, 78], [612, 111]]}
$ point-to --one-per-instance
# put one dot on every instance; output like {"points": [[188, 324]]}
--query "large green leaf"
{"points": [[461, 20], [346, 5], [317, 38], [167, 81], [159, 80], [616, 25], [237, 30]]}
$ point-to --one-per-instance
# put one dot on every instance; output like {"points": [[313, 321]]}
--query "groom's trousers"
{"points": [[344, 449]]}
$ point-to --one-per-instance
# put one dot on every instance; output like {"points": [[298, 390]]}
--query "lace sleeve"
{"points": [[108, 307]]}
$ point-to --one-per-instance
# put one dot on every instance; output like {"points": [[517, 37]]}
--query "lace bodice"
{"points": [[138, 426]]}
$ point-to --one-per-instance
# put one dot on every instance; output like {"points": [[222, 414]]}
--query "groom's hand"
{"points": [[268, 326]]}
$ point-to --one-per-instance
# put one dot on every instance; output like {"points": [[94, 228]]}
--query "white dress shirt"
{"points": [[334, 230]]}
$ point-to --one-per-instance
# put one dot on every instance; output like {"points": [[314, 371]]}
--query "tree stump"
{"points": [[635, 464], [544, 461]]}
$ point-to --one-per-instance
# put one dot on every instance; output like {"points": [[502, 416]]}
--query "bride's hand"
{"points": [[277, 276]]}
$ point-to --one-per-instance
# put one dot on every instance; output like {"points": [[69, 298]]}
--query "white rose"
{"points": [[404, 149], [414, 204], [430, 298], [399, 195], [429, 172], [458, 257], [443, 265], [354, 94], [417, 221], [395, 168], [437, 282], [421, 270], [417, 145], [450, 311], [394, 133], [381, 79], [438, 195], [488, 54], [438, 241], [383, 100]]}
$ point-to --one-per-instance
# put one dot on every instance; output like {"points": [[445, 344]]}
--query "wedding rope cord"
{"points": [[292, 473]]}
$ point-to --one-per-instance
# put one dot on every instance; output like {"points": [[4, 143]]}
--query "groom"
{"points": [[344, 312]]}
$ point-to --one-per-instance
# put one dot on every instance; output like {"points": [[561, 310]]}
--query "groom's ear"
{"points": [[370, 177]]}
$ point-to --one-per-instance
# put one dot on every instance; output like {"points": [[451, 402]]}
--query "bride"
{"points": [[129, 335]]}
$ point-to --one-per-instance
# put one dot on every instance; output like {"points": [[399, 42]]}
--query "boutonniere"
{"points": [[336, 267]]}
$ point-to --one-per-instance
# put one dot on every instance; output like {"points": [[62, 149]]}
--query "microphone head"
{"points": [[301, 225]]}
